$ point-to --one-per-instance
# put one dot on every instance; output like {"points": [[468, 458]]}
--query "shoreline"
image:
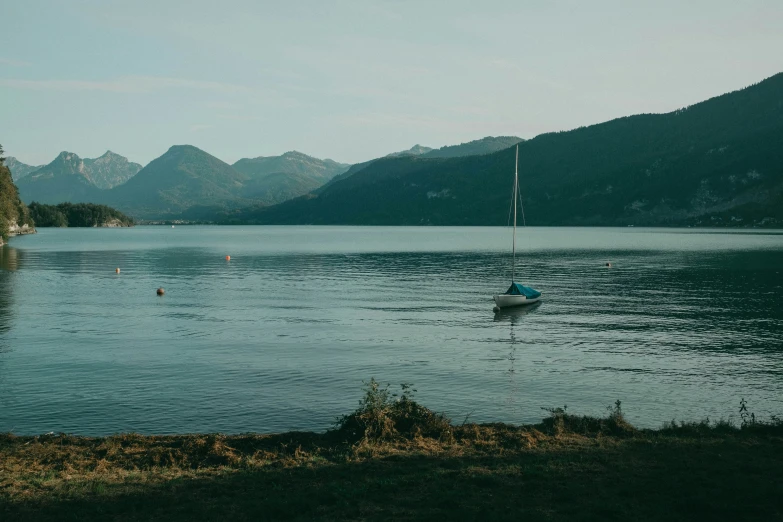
{"points": [[395, 459], [16, 230]]}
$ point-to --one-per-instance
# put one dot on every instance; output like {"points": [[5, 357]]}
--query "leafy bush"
{"points": [[383, 416]]}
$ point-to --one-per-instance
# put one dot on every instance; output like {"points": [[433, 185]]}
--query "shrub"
{"points": [[560, 422], [383, 416]]}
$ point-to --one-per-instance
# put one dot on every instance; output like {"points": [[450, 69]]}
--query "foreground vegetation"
{"points": [[78, 215], [394, 459]]}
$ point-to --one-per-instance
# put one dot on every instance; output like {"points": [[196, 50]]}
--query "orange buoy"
{"points": [[228, 258], [117, 270], [161, 291]]}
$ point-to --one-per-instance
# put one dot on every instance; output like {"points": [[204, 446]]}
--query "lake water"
{"points": [[683, 325]]}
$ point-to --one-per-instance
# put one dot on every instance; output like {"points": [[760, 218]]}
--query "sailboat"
{"points": [[517, 294]]}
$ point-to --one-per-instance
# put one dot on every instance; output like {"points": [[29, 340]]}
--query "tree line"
{"points": [[77, 215]]}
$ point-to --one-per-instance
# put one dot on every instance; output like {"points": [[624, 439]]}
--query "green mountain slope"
{"points": [[486, 145], [472, 148], [416, 150], [183, 177], [717, 162], [19, 169], [275, 179]]}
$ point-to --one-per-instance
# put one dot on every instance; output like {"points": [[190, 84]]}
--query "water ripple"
{"points": [[682, 325]]}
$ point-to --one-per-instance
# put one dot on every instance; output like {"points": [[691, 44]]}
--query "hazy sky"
{"points": [[353, 80]]}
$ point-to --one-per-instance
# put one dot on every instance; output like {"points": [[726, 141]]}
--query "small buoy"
{"points": [[117, 270], [609, 265], [172, 226], [496, 309], [228, 258], [161, 291]]}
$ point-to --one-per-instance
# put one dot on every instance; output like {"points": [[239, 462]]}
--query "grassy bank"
{"points": [[394, 459]]}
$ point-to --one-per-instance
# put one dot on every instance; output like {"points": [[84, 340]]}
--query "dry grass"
{"points": [[394, 459]]}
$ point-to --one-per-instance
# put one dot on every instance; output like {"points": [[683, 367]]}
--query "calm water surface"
{"points": [[683, 325]]}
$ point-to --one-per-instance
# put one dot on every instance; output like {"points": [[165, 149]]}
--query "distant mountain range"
{"points": [[486, 145], [187, 182], [719, 162], [184, 179], [70, 178], [19, 169], [110, 170], [274, 179]]}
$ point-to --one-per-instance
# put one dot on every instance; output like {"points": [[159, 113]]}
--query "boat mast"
{"points": [[514, 241]]}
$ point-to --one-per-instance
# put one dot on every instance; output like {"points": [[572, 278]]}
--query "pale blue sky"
{"points": [[353, 80]]}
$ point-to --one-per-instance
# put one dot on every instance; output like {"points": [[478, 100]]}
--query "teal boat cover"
{"points": [[517, 289]]}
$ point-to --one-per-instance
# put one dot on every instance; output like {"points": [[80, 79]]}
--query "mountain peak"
{"points": [[183, 148], [416, 150], [71, 178], [19, 169], [110, 170], [295, 154], [67, 156]]}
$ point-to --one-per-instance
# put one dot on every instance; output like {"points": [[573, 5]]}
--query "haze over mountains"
{"points": [[719, 162]]}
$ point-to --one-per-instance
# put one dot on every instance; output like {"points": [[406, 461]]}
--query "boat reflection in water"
{"points": [[515, 314]]}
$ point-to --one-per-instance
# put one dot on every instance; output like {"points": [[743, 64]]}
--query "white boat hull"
{"points": [[507, 300]]}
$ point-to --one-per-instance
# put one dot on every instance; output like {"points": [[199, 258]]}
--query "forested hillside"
{"points": [[478, 147], [183, 181], [719, 162], [78, 215], [13, 213], [486, 145]]}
